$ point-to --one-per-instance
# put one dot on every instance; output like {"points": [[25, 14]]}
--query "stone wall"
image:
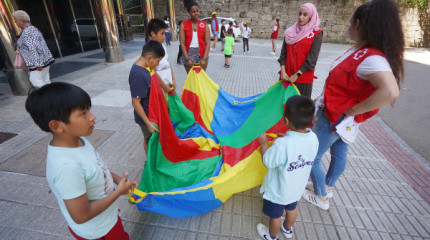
{"points": [[334, 15], [416, 26]]}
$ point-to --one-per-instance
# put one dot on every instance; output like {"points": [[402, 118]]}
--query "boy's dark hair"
{"points": [[230, 23], [277, 20], [222, 20], [300, 111], [230, 31], [153, 48], [165, 17], [155, 25], [55, 101]]}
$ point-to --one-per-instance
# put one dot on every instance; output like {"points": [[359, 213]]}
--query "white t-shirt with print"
{"points": [[72, 172]]}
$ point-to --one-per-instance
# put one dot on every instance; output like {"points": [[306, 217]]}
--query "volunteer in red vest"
{"points": [[194, 36], [301, 48], [365, 78], [274, 35], [214, 29]]}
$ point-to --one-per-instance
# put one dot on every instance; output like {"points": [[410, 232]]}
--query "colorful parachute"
{"points": [[207, 147]]}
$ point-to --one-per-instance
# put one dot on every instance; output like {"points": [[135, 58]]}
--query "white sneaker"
{"points": [[263, 231], [310, 187], [314, 199], [212, 49], [272, 53], [287, 233]]}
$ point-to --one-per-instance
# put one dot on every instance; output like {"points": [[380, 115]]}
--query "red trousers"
{"points": [[116, 233]]}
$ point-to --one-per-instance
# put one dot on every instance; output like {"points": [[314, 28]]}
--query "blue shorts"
{"points": [[215, 33], [274, 210]]}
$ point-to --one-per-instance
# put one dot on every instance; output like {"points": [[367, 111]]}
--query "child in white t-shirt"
{"points": [[289, 161], [81, 182], [246, 31], [157, 31]]}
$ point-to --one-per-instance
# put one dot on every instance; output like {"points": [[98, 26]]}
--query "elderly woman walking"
{"points": [[33, 49]]}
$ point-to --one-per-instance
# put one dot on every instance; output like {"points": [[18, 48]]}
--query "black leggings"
{"points": [[179, 54], [245, 42]]}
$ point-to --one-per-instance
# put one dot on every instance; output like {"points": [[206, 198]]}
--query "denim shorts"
{"points": [[274, 210]]}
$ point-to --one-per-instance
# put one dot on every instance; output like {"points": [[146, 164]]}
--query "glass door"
{"points": [[84, 25]]}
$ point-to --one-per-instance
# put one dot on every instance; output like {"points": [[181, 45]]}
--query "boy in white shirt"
{"points": [[289, 161], [81, 182], [157, 32]]}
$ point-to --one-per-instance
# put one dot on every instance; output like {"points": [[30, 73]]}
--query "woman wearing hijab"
{"points": [[301, 48]]}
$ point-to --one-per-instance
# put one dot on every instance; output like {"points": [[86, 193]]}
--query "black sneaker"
{"points": [[228, 66]]}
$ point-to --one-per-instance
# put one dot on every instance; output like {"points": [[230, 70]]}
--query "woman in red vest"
{"points": [[364, 79], [301, 48], [194, 36], [274, 35]]}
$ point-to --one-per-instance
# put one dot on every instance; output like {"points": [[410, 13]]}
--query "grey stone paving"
{"points": [[371, 201]]}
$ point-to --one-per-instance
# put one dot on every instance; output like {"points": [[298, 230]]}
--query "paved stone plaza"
{"points": [[371, 200]]}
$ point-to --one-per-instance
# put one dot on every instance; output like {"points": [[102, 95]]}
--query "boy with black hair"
{"points": [[140, 84], [228, 48], [81, 182], [289, 161], [157, 32], [222, 34]]}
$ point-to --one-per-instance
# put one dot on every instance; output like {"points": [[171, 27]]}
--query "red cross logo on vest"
{"points": [[360, 53], [311, 35], [201, 25]]}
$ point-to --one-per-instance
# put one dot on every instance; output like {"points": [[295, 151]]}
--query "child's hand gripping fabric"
{"points": [[264, 143], [126, 184]]}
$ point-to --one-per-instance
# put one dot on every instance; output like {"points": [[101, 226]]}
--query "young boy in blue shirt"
{"points": [[140, 84], [289, 161], [81, 182]]}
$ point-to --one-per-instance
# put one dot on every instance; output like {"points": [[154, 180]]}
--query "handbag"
{"points": [[19, 61]]}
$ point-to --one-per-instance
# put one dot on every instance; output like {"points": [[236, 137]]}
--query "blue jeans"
{"points": [[328, 138], [168, 37]]}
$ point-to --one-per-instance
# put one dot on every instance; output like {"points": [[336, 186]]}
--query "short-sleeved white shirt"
{"points": [[370, 65], [245, 31], [289, 162], [72, 172], [163, 68]]}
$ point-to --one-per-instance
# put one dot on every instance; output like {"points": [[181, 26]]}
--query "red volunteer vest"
{"points": [[275, 33], [343, 89], [296, 56], [201, 31], [216, 25]]}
